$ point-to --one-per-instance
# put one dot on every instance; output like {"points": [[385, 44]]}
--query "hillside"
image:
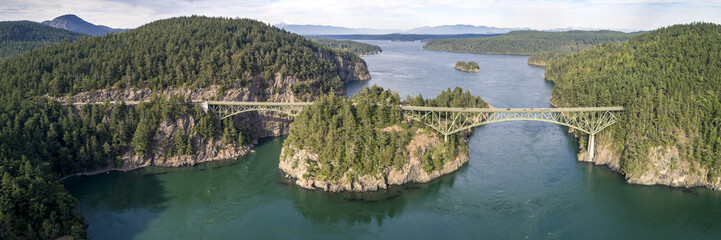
{"points": [[529, 42], [165, 63], [542, 46], [192, 52], [354, 47], [73, 23], [342, 144], [669, 80], [21, 36]]}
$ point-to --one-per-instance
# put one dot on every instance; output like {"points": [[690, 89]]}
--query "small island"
{"points": [[467, 66]]}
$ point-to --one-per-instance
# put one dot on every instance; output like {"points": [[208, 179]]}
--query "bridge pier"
{"points": [[204, 105], [591, 151]]}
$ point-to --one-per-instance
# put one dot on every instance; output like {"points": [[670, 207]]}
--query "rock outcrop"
{"points": [[260, 124], [664, 166], [296, 167]]}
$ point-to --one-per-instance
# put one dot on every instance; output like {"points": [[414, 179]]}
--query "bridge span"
{"points": [[445, 120]]}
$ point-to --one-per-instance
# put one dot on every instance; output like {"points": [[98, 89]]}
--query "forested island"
{"points": [[365, 144], [166, 64], [17, 37], [467, 66], [669, 81], [542, 46], [358, 48]]}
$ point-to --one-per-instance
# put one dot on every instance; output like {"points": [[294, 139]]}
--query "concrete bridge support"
{"points": [[591, 151]]}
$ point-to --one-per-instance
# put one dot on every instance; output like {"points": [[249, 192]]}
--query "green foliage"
{"points": [[368, 134], [669, 80], [529, 42], [467, 66], [178, 52], [348, 46], [17, 37]]}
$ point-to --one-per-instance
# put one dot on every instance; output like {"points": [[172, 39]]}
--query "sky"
{"points": [[383, 14]]}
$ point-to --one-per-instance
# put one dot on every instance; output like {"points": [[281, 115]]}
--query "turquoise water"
{"points": [[522, 181]]}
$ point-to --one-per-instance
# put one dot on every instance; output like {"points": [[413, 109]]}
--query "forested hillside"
{"points": [[348, 45], [529, 42], [189, 52], [371, 137], [17, 37], [41, 140], [542, 46], [669, 80]]}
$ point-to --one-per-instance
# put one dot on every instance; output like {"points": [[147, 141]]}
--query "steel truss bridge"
{"points": [[446, 120]]}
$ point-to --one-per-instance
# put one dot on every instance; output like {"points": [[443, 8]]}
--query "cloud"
{"points": [[382, 14]]}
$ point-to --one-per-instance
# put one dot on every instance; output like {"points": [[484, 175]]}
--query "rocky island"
{"points": [[467, 66], [356, 144]]}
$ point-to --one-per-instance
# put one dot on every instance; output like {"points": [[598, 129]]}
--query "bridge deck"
{"points": [[490, 110], [404, 107]]}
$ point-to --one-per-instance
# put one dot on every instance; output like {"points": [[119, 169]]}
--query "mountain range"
{"points": [[74, 23], [436, 30]]}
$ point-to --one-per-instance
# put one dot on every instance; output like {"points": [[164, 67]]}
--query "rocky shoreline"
{"points": [[296, 166], [664, 166]]}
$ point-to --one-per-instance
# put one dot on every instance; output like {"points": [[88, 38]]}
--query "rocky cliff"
{"points": [[258, 124], [296, 167]]}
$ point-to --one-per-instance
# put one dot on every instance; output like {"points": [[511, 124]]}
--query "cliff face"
{"points": [[259, 124], [665, 166], [296, 167]]}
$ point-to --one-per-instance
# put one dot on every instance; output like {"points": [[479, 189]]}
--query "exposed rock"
{"points": [[296, 167], [261, 124], [663, 167]]}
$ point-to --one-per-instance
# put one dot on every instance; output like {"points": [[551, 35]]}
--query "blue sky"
{"points": [[383, 14]]}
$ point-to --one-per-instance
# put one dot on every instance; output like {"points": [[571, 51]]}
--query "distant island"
{"points": [[467, 66]]}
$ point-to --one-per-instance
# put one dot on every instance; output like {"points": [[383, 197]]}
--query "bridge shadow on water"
{"points": [[366, 207], [136, 199]]}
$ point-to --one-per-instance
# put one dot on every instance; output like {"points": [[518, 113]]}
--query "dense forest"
{"points": [[542, 46], [467, 66], [42, 140], [358, 48], [17, 37], [669, 80], [189, 52], [353, 133], [529, 42]]}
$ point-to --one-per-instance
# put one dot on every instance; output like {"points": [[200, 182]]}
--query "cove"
{"points": [[522, 181]]}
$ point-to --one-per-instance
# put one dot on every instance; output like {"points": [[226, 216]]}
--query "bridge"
{"points": [[445, 120]]}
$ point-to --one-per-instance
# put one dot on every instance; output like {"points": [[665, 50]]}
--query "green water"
{"points": [[522, 181]]}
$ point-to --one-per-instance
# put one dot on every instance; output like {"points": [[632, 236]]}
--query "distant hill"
{"points": [[20, 36], [404, 37], [436, 30], [329, 30], [460, 29], [529, 42], [76, 24]]}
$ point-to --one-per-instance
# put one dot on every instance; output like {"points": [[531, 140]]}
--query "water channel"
{"points": [[522, 181]]}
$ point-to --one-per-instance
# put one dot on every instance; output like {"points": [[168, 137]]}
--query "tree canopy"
{"points": [[17, 37], [669, 80]]}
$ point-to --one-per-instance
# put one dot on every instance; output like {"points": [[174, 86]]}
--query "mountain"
{"points": [[76, 24], [20, 36], [427, 30], [460, 29], [330, 30]]}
